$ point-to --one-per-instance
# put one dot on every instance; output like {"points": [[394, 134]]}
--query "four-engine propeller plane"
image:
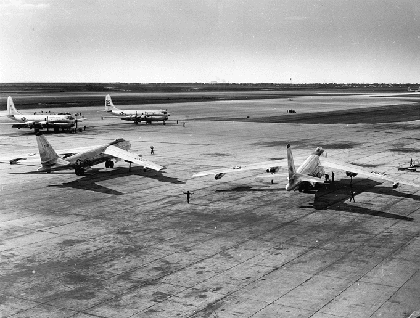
{"points": [[308, 174], [40, 121], [136, 116], [86, 157]]}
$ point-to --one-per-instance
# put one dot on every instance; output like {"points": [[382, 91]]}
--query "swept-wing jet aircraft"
{"points": [[40, 121], [86, 157], [308, 174], [413, 165], [136, 116]]}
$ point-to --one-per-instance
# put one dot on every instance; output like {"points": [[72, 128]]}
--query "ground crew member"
{"points": [[152, 150], [352, 195], [351, 189], [188, 193], [332, 176]]}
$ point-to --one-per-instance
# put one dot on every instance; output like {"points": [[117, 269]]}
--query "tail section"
{"points": [[11, 110], [290, 162], [108, 103], [293, 178], [48, 155]]}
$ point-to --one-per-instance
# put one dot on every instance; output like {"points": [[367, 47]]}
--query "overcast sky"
{"points": [[210, 40]]}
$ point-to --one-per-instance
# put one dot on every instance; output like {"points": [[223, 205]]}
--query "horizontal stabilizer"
{"points": [[303, 178]]}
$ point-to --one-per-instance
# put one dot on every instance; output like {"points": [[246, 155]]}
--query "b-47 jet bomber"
{"points": [[308, 174], [84, 158]]}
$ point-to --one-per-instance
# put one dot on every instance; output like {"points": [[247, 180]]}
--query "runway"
{"points": [[116, 243]]}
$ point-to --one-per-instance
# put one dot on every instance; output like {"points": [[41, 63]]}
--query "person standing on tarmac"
{"points": [[351, 189], [188, 193]]}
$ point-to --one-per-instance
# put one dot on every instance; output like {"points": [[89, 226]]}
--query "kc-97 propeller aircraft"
{"points": [[84, 158], [136, 116], [40, 121], [308, 174]]}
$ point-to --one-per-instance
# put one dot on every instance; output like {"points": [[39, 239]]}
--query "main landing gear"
{"points": [[80, 171], [109, 164], [304, 187]]}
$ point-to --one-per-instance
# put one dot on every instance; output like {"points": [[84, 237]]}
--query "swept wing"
{"points": [[131, 157], [257, 166], [326, 162]]}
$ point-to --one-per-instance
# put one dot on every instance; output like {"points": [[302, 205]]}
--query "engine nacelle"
{"points": [[219, 176], [351, 174], [273, 170]]}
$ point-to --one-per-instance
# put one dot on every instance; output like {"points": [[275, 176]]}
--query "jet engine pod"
{"points": [[219, 176], [272, 170], [351, 174]]}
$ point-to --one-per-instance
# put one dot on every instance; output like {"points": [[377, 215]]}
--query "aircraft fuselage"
{"points": [[311, 166], [142, 115], [44, 120]]}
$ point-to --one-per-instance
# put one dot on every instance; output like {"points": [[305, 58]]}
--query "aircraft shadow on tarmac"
{"points": [[337, 196], [246, 189], [92, 177]]}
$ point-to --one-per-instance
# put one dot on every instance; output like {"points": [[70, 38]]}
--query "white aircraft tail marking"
{"points": [[11, 109], [109, 105]]}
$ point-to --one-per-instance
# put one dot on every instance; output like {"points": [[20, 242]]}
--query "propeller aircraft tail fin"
{"points": [[109, 105], [11, 109]]}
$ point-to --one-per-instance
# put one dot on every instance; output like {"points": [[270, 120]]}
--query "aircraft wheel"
{"points": [[111, 164], [106, 164], [136, 122], [164, 123]]}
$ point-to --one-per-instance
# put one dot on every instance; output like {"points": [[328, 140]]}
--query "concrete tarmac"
{"points": [[115, 243]]}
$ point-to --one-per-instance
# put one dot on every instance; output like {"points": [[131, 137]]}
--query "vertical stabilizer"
{"points": [[11, 110], [48, 155], [290, 162], [108, 103]]}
